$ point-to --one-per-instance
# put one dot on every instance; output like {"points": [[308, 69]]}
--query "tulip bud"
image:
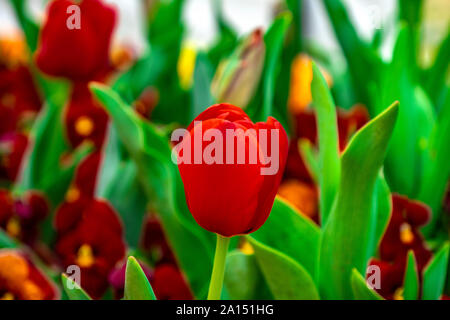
{"points": [[237, 77], [233, 194]]}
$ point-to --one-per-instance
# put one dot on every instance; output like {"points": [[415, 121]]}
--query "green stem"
{"points": [[215, 286]]}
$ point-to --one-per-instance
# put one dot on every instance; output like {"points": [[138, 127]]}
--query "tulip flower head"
{"points": [[231, 168], [82, 53]]}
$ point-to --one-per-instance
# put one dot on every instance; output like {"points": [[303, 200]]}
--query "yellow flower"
{"points": [[186, 65]]}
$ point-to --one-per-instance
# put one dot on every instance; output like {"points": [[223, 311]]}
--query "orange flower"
{"points": [[303, 196], [20, 280], [301, 77]]}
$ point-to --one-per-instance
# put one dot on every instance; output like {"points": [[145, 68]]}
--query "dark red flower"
{"points": [[117, 278], [69, 218], [21, 280], [92, 239], [20, 217], [85, 119], [401, 236], [77, 54], [85, 179], [232, 198], [154, 241], [19, 99], [391, 279], [168, 283], [12, 150], [403, 232]]}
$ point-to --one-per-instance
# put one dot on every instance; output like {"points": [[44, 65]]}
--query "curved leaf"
{"points": [[291, 233], [286, 278], [73, 290], [137, 286], [434, 275], [360, 289], [243, 277], [160, 180], [411, 280], [347, 236], [329, 165]]}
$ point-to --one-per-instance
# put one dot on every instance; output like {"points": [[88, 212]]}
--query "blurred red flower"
{"points": [[78, 54], [85, 179], [90, 236], [168, 283], [21, 280], [154, 241], [19, 99], [12, 149], [403, 232], [20, 217], [85, 119], [232, 199], [402, 235]]}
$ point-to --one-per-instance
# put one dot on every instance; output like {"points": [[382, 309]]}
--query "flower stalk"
{"points": [[216, 284]]}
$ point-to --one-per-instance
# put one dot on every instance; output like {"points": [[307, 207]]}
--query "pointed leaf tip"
{"points": [[137, 286]]}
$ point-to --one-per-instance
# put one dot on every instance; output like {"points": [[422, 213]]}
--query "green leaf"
{"points": [[42, 169], [159, 177], [243, 278], [436, 170], [306, 150], [226, 39], [411, 279], [360, 289], [73, 290], [347, 236], [6, 242], [126, 122], [201, 93], [363, 63], [435, 78], [118, 183], [137, 286], [274, 42], [434, 275], [381, 206], [296, 9], [286, 278], [29, 27], [133, 82], [329, 166], [290, 232], [414, 124]]}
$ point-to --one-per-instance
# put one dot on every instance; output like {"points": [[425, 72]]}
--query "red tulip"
{"points": [[77, 54], [233, 194]]}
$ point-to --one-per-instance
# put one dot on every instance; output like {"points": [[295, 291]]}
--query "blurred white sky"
{"points": [[245, 15]]}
